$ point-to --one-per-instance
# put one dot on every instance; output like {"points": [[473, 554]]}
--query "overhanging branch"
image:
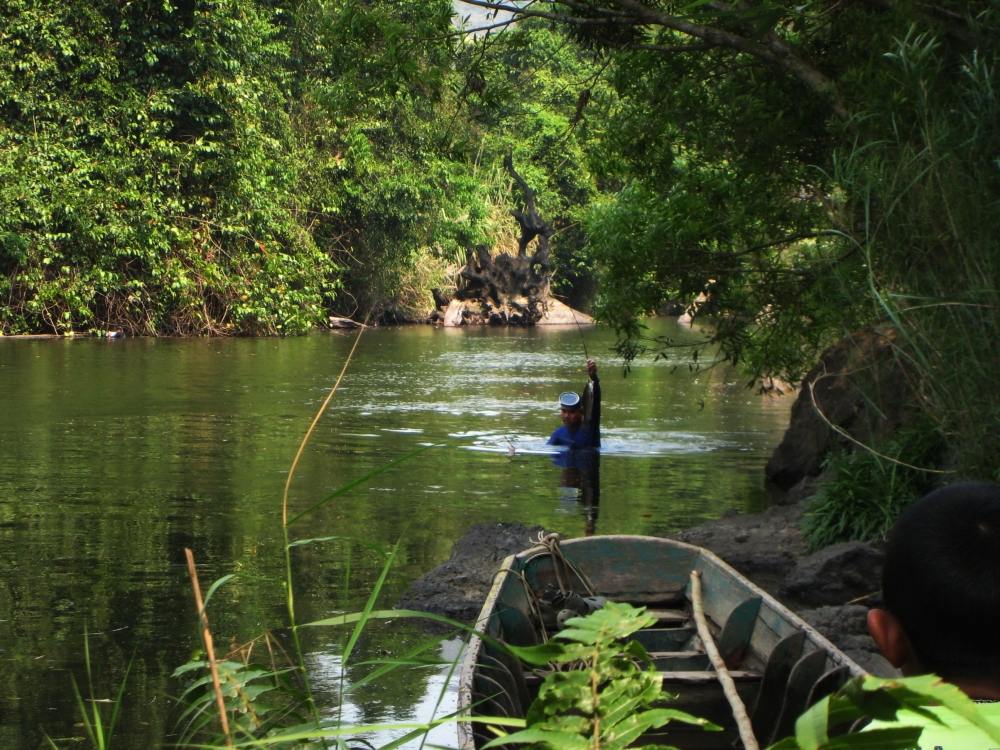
{"points": [[772, 49]]}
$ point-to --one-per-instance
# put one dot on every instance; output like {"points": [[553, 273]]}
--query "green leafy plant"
{"points": [[601, 695], [883, 700], [868, 489], [258, 699]]}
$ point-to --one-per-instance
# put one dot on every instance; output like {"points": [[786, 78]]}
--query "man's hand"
{"points": [[592, 369]]}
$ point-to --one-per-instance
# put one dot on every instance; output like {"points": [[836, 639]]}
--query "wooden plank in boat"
{"points": [[827, 684], [668, 617], [803, 677], [706, 676], [734, 641], [664, 639], [673, 661]]}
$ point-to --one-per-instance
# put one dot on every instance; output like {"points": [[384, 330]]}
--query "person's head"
{"points": [[571, 409], [941, 586]]}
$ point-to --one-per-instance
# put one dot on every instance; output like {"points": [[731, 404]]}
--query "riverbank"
{"points": [[830, 589]]}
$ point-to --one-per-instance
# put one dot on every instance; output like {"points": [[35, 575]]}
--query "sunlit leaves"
{"points": [[887, 701], [602, 692]]}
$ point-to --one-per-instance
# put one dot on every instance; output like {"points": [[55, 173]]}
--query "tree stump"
{"points": [[507, 289]]}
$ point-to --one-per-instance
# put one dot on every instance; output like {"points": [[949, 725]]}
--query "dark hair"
{"points": [[942, 579]]}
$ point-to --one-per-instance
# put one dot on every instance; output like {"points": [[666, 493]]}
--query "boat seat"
{"points": [[665, 639], [700, 693], [679, 661], [669, 617], [704, 676]]}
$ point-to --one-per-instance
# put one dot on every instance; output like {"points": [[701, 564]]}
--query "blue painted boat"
{"points": [[779, 664]]}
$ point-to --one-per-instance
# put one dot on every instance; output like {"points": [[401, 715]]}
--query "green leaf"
{"points": [[543, 653], [561, 740], [215, 585], [811, 729], [892, 738]]}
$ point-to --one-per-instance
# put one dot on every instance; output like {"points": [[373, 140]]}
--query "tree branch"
{"points": [[605, 14], [669, 49], [774, 50]]}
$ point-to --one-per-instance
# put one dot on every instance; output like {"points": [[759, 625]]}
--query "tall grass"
{"points": [[100, 729], [273, 704], [926, 181], [924, 185]]}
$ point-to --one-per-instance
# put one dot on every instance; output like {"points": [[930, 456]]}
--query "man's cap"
{"points": [[569, 400]]}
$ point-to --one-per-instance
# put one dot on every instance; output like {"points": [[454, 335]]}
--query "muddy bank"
{"points": [[830, 589], [458, 587]]}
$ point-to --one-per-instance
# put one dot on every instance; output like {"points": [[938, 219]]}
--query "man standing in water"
{"points": [[581, 415], [581, 434]]}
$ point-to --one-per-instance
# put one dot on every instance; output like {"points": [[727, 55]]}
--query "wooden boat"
{"points": [[777, 663]]}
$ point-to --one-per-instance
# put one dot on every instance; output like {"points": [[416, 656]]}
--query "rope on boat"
{"points": [[560, 564], [530, 596], [725, 679]]}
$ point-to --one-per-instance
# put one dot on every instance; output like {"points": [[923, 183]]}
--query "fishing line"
{"points": [[579, 329]]}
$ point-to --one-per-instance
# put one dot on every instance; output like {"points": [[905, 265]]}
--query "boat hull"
{"points": [[780, 665]]}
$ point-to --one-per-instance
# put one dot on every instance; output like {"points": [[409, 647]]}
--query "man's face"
{"points": [[572, 418]]}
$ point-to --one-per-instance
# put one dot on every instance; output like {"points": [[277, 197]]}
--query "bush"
{"points": [[867, 489]]}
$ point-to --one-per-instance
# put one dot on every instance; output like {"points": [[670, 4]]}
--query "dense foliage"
{"points": [[208, 166], [145, 175], [220, 167]]}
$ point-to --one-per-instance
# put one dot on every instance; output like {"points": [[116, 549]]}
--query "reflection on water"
{"points": [[115, 455]]}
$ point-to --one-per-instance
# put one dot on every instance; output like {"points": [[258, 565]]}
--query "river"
{"points": [[116, 455]]}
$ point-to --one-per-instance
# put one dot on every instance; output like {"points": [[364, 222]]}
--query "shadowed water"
{"points": [[115, 455]]}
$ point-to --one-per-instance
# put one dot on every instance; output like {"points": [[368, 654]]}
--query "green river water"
{"points": [[115, 455]]}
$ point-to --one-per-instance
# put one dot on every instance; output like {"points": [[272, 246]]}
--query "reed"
{"points": [[99, 728], [273, 704], [927, 194], [924, 195]]}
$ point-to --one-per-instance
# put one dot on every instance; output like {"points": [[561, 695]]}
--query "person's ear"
{"points": [[887, 632]]}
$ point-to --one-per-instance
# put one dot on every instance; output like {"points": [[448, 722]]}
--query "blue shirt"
{"points": [[581, 437], [588, 434]]}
